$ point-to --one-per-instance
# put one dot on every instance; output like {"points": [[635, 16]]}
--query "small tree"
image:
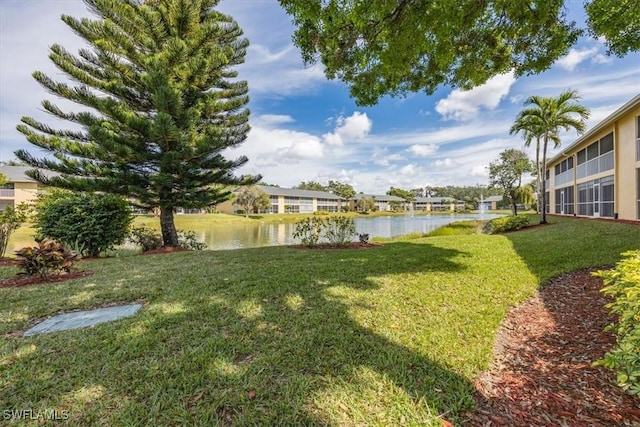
{"points": [[366, 204], [88, 223], [507, 172], [10, 220], [345, 191], [251, 198]]}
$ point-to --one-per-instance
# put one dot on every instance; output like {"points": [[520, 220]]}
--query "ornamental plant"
{"points": [[48, 257], [10, 220], [507, 223], [339, 230], [623, 285], [309, 230]]}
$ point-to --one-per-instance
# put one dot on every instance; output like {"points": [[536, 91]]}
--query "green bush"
{"points": [[507, 223], [339, 230], [49, 257], [146, 238], [623, 285], [308, 230], [187, 240], [149, 240], [89, 223]]}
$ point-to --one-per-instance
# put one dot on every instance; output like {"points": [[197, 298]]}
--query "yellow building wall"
{"points": [[26, 192], [626, 165]]}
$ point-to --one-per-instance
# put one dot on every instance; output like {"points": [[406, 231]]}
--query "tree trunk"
{"points": [[544, 181], [169, 233], [538, 175]]}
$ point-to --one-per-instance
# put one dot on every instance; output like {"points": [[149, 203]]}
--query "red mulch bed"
{"points": [[164, 250], [352, 245], [18, 281], [542, 373]]}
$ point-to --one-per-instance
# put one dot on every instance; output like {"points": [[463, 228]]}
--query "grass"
{"points": [[278, 336]]}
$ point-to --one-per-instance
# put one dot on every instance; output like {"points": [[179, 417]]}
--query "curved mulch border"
{"points": [[19, 281], [542, 373], [352, 245]]}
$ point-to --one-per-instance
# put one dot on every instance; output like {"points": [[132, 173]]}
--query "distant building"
{"points": [[19, 187], [599, 174], [490, 203], [292, 200], [383, 203], [437, 204]]}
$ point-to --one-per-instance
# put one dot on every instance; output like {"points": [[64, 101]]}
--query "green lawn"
{"points": [[277, 336]]}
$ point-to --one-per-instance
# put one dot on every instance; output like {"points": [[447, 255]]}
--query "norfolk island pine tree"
{"points": [[161, 103]]}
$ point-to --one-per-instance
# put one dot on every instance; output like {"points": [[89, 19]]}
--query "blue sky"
{"points": [[305, 127]]}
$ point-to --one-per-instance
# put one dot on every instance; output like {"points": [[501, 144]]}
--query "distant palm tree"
{"points": [[544, 119], [530, 131]]}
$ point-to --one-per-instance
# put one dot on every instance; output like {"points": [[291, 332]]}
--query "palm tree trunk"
{"points": [[544, 180], [538, 175]]}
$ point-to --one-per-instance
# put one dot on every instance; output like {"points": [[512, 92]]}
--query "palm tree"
{"points": [[530, 131], [544, 119]]}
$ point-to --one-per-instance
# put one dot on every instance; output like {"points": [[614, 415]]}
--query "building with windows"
{"points": [[382, 203], [19, 187], [599, 174], [292, 200], [437, 204]]}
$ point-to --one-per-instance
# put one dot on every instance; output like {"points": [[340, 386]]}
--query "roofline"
{"points": [[613, 117]]}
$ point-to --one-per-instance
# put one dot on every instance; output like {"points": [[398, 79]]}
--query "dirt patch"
{"points": [[326, 246], [542, 373], [164, 250], [8, 262], [18, 281]]}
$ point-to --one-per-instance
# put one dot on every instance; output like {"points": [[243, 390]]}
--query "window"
{"points": [[606, 144], [597, 197], [557, 170], [564, 201], [592, 151], [582, 156]]}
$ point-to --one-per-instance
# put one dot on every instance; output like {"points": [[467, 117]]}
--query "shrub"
{"points": [[146, 238], [321, 213], [308, 230], [623, 285], [339, 230], [150, 240], [92, 223], [507, 223], [363, 237], [10, 220], [49, 257], [187, 240]]}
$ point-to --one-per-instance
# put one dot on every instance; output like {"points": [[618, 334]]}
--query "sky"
{"points": [[307, 128]]}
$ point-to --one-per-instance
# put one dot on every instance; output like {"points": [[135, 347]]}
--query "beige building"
{"points": [[19, 187], [599, 174], [292, 200]]}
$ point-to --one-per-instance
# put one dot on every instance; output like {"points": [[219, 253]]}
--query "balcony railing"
{"points": [[8, 193]]}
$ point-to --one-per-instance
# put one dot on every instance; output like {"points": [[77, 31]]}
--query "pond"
{"points": [[219, 236], [238, 236]]}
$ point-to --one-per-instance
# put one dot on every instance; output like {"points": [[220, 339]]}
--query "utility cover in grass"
{"points": [[83, 319]]}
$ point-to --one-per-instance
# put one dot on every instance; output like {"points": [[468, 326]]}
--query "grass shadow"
{"points": [[301, 339]]}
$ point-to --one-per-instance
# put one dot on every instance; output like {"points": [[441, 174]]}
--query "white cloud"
{"points": [[269, 120], [354, 127], [479, 170], [308, 148], [423, 150], [601, 59], [443, 163], [382, 157], [571, 60], [466, 104], [409, 170]]}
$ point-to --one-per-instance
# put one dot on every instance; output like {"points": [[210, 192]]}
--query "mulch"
{"points": [[19, 281], [542, 373], [326, 246]]}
